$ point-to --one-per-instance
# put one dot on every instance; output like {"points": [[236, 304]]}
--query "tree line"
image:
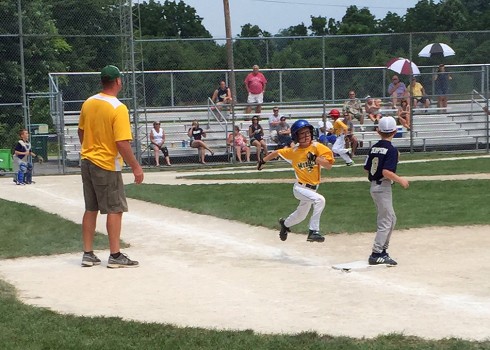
{"points": [[79, 36]]}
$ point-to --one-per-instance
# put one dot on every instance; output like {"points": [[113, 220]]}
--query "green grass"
{"points": [[24, 327], [349, 209], [460, 166], [28, 231]]}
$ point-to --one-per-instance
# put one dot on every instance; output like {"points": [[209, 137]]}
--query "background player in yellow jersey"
{"points": [[104, 131], [306, 157], [341, 130]]}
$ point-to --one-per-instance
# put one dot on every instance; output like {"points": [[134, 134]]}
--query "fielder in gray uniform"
{"points": [[381, 165]]}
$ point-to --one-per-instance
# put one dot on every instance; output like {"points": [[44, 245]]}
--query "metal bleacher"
{"points": [[462, 126]]}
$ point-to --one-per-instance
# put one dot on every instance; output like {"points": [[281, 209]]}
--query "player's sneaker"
{"points": [[350, 164], [90, 259], [283, 234], [381, 259], [315, 236], [122, 261]]}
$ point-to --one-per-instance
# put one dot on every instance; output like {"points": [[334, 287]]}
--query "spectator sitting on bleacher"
{"points": [[372, 107], [353, 109], [196, 134], [418, 93], [157, 139], [326, 133], [274, 121], [256, 134], [239, 142], [404, 114], [221, 97], [397, 90], [284, 138], [351, 142]]}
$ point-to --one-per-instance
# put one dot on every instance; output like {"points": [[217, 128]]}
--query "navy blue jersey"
{"points": [[383, 155], [22, 146]]}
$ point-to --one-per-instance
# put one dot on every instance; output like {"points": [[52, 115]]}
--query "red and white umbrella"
{"points": [[437, 49], [403, 66]]}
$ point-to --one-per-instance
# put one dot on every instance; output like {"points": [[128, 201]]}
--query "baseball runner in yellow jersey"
{"points": [[340, 130], [306, 157]]}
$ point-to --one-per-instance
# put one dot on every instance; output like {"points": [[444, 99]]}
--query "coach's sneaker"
{"points": [[122, 261], [381, 259], [90, 259], [315, 236], [283, 234]]}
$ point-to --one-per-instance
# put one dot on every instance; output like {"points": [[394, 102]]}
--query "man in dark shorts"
{"points": [[105, 132]]}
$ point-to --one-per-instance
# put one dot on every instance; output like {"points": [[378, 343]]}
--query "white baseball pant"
{"points": [[307, 197], [339, 148]]}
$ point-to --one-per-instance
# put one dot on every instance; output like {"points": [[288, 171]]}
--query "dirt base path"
{"points": [[208, 272]]}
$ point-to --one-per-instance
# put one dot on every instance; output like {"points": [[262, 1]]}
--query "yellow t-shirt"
{"points": [[306, 171], [339, 127], [104, 121], [416, 89]]}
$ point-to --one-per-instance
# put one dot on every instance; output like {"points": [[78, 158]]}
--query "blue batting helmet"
{"points": [[300, 124]]}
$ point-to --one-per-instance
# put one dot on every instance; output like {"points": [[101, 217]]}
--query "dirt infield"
{"points": [[207, 272]]}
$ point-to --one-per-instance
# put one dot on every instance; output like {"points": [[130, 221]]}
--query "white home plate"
{"points": [[359, 265]]}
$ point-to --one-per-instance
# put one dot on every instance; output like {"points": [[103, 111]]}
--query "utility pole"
{"points": [[231, 65]]}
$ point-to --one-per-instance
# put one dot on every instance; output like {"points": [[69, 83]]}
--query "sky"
{"points": [[274, 15]]}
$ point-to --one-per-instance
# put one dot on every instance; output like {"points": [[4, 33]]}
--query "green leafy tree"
{"points": [[171, 19], [480, 13], [392, 23], [80, 22], [42, 50], [421, 18], [318, 26], [322, 26], [250, 52], [358, 21], [453, 15], [297, 30]]}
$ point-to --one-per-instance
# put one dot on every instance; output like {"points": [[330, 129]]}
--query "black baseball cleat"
{"points": [[283, 234], [315, 236], [381, 259]]}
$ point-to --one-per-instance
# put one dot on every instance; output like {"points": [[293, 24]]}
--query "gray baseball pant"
{"points": [[386, 220]]}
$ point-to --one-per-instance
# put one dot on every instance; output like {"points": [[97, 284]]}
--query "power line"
{"points": [[327, 5]]}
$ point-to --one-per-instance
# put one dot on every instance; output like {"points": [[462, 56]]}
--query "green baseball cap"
{"points": [[110, 73]]}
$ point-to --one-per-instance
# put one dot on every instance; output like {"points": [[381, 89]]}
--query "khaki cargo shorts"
{"points": [[103, 190]]}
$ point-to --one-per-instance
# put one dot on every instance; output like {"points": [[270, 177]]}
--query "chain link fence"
{"points": [[172, 80]]}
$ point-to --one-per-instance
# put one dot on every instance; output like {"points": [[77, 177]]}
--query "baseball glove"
{"points": [[40, 159], [260, 164]]}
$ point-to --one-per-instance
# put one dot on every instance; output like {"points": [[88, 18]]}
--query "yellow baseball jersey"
{"points": [[104, 121], [339, 127], [305, 169]]}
